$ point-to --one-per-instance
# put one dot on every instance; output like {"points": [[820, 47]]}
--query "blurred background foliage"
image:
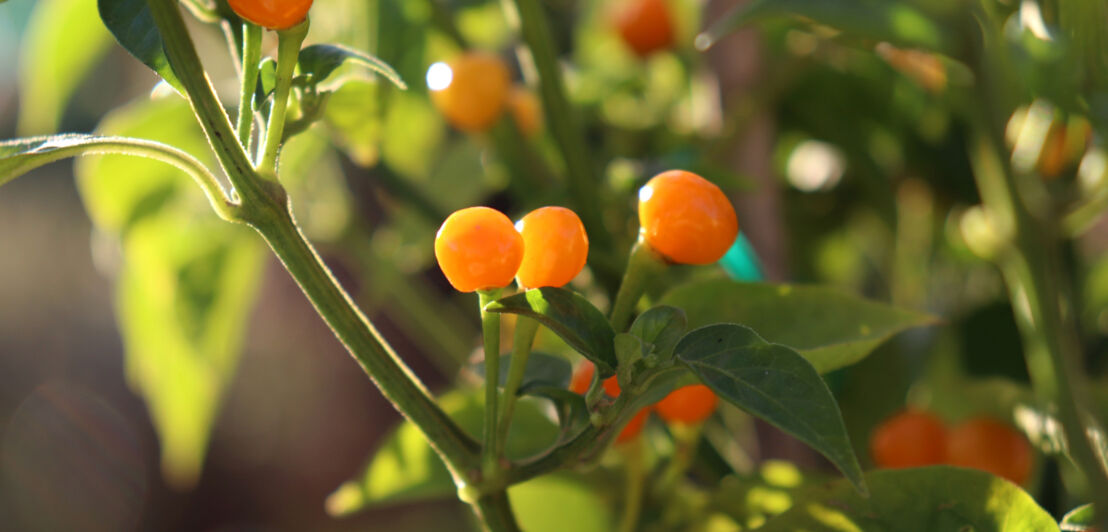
{"points": [[217, 400]]}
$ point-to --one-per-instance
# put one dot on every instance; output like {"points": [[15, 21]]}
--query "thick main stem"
{"points": [[495, 512], [398, 384], [265, 206], [207, 108]]}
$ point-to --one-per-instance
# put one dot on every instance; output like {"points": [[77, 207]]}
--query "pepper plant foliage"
{"points": [[189, 280]]}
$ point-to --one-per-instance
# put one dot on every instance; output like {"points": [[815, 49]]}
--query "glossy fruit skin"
{"points": [[688, 405], [477, 92], [989, 445], [912, 438], [478, 248], [272, 14], [526, 110], [579, 384], [646, 26], [555, 247], [686, 218]]}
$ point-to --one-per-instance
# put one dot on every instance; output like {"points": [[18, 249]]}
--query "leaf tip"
{"points": [[345, 500]]}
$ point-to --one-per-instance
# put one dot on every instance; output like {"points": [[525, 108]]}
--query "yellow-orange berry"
{"points": [[272, 14], [471, 90], [646, 26], [555, 247], [478, 248], [686, 218], [688, 405], [526, 110], [911, 438], [989, 445]]}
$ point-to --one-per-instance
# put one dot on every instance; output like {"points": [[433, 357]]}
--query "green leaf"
{"points": [[630, 349], [118, 191], [133, 27], [922, 499], [830, 328], [318, 61], [1080, 519], [899, 23], [774, 383], [267, 82], [62, 44], [571, 317], [353, 113], [572, 411], [187, 284], [542, 369], [405, 468], [19, 156], [183, 299], [661, 326], [560, 502]]}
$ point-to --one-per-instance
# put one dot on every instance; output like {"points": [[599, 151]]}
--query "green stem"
{"points": [[526, 328], [490, 326], [255, 193], [585, 185], [77, 145], [288, 50], [495, 512], [399, 385], [643, 263], [595, 391], [251, 54], [575, 449], [633, 488], [1031, 272], [265, 206]]}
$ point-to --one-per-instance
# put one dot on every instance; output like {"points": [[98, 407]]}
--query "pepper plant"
{"points": [[652, 327]]}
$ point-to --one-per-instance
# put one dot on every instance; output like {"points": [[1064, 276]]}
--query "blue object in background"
{"points": [[740, 262]]}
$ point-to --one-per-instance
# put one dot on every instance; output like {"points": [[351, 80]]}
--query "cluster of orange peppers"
{"points": [[915, 438], [685, 218]]}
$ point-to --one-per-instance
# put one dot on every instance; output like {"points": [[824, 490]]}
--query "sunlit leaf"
{"points": [[1080, 519], [830, 328], [187, 283], [560, 502], [64, 40], [571, 317], [923, 499], [774, 383], [405, 468], [183, 298]]}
